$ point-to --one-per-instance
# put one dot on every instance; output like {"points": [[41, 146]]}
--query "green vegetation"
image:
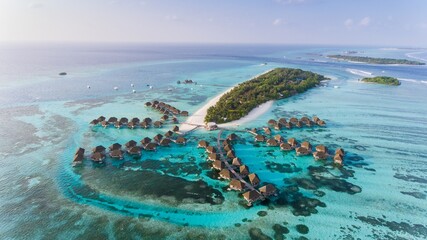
{"points": [[376, 60], [382, 80], [276, 84]]}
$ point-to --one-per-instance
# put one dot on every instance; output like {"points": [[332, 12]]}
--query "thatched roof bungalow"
{"points": [[94, 122], [118, 124], [293, 142], [218, 164], [175, 129], [268, 190], [184, 113], [306, 145], [157, 124], [116, 153], [231, 154], [98, 157], [278, 126], [228, 148], [144, 125], [279, 138], [99, 149], [135, 150], [272, 122], [105, 124], [267, 130], [251, 196], [132, 125], [232, 137], [80, 151], [150, 146], [272, 142], [164, 117], [202, 144], [253, 178], [148, 104], [124, 120], [237, 162], [340, 152], [115, 146], [78, 159], [244, 170], [148, 120], [158, 138], [285, 146], [300, 151], [135, 120], [288, 125], [237, 185], [210, 149], [338, 159], [282, 121], [293, 120], [175, 120], [259, 138], [321, 123], [145, 141], [320, 155], [299, 124], [101, 118], [321, 148], [213, 157], [225, 174], [181, 141], [112, 120], [316, 119], [130, 144], [165, 142], [169, 134]]}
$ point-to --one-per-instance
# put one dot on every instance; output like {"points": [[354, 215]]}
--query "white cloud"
{"points": [[348, 23], [277, 21], [365, 21], [35, 5]]}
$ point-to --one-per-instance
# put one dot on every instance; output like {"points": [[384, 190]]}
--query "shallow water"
{"points": [[172, 193]]}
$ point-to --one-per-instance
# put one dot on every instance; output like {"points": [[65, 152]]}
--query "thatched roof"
{"points": [[232, 137], [226, 142], [148, 120], [267, 130], [130, 144], [134, 150], [237, 185], [180, 140], [115, 146], [301, 151], [203, 144], [236, 161], [299, 124], [306, 145], [165, 142], [78, 158], [321, 123], [218, 164], [251, 196], [117, 153], [135, 120], [112, 120], [157, 124], [210, 149], [338, 159], [293, 120], [340, 151], [315, 119], [124, 120], [184, 113], [148, 104], [80, 151], [97, 157], [145, 140], [268, 190], [228, 148], [175, 129], [99, 149], [150, 146], [253, 178], [271, 122], [213, 156], [144, 124], [244, 170], [321, 148], [320, 155], [305, 120], [165, 117], [158, 137], [94, 122], [132, 125], [169, 134], [225, 173], [293, 142], [272, 142], [259, 138], [285, 146], [278, 126], [105, 123], [278, 138], [231, 154], [282, 121], [288, 125]]}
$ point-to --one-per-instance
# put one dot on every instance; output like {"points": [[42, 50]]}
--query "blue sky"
{"points": [[362, 22]]}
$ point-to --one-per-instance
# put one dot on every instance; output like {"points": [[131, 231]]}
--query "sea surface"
{"points": [[379, 193]]}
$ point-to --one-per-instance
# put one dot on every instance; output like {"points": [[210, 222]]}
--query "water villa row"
{"points": [[132, 148], [231, 168], [133, 123], [166, 108], [303, 149], [295, 122]]}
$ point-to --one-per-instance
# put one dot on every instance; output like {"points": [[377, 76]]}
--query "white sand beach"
{"points": [[198, 118]]}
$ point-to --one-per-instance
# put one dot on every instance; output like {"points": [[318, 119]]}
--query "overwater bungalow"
{"points": [[237, 162], [232, 137], [226, 142], [155, 102], [157, 124], [94, 122], [251, 196], [175, 129], [116, 153], [105, 124], [321, 123], [267, 130], [210, 149], [309, 123], [340, 151], [288, 125], [293, 142], [301, 151], [80, 151], [259, 138], [130, 144], [115, 146], [271, 122], [150, 146], [218, 164], [144, 125], [305, 120], [278, 126], [135, 120], [316, 119], [101, 118], [231, 154], [181, 140], [124, 120], [282, 121], [279, 138], [184, 113], [158, 138], [78, 159], [118, 124], [272, 142], [202, 144], [320, 155], [112, 120], [165, 142], [285, 146], [237, 185], [293, 120], [213, 157], [164, 117], [98, 157], [135, 150], [169, 134], [175, 120], [253, 178], [321, 148], [132, 125], [254, 131], [99, 149], [338, 159], [306, 145], [243, 170], [228, 148], [268, 190], [225, 174], [145, 141], [148, 104], [148, 120], [299, 124]]}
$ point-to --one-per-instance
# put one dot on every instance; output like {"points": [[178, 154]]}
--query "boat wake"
{"points": [[359, 72], [412, 55]]}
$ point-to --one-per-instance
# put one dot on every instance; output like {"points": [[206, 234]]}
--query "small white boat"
{"points": [[336, 86], [132, 85], [170, 89], [88, 86], [116, 88], [151, 87], [134, 91]]}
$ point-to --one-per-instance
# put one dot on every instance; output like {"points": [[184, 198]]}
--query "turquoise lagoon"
{"points": [[172, 193]]}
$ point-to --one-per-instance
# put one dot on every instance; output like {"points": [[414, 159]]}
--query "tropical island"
{"points": [[382, 80], [276, 84], [372, 60]]}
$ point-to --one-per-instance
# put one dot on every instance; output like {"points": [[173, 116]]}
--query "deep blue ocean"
{"points": [[380, 193]]}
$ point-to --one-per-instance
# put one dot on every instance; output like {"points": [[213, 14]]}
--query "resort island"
{"points": [[276, 84], [382, 80], [372, 60]]}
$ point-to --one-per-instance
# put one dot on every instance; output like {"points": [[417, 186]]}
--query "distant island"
{"points": [[276, 84], [382, 80], [372, 60]]}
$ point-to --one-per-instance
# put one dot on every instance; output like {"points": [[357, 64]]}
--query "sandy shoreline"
{"points": [[198, 118]]}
